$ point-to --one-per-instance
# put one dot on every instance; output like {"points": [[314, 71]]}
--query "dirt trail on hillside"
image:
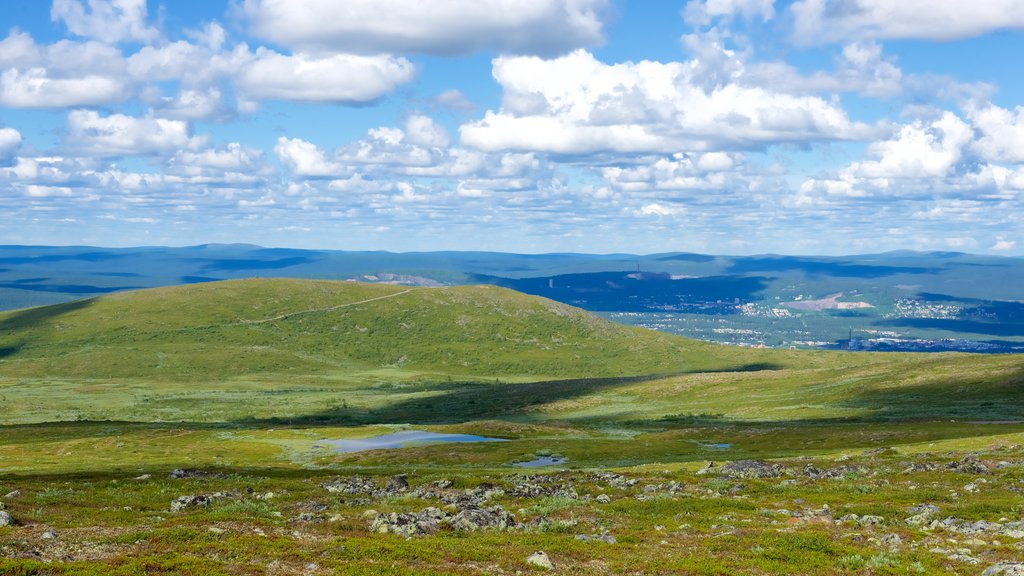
{"points": [[327, 309]]}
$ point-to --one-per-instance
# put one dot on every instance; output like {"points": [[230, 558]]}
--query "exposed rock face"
{"points": [[751, 469], [6, 519]]}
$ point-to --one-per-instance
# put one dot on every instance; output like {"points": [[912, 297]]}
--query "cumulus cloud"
{"points": [[839, 20], [422, 131], [708, 171], [341, 78], [544, 27], [107, 20], [305, 159], [34, 88], [919, 150], [233, 159], [1000, 132], [860, 68], [578, 105], [121, 135], [10, 142], [921, 155]]}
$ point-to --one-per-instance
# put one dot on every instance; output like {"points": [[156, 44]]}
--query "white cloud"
{"points": [[452, 27], [578, 105], [121, 135], [19, 50], [703, 12], [839, 20], [656, 209], [1003, 244], [921, 158], [304, 159], [918, 150], [341, 78], [193, 105], [37, 191], [861, 68], [1001, 132], [10, 141], [709, 171], [33, 88], [107, 20], [422, 131], [230, 161]]}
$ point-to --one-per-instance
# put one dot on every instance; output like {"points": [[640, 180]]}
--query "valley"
{"points": [[195, 429]]}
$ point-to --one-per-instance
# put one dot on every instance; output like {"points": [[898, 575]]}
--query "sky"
{"points": [[713, 126]]}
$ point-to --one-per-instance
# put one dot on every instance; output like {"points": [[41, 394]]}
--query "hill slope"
{"points": [[223, 329]]}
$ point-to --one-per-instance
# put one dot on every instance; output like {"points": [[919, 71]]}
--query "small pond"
{"points": [[541, 461], [403, 439]]}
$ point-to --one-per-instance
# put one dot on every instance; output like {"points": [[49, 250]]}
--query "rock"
{"points": [[603, 499], [969, 465], [891, 540], [181, 473], [352, 485], [6, 519], [602, 537], [751, 469], [929, 509], [471, 520], [397, 483], [49, 535], [426, 521], [12, 494], [309, 517], [192, 501], [145, 477], [835, 473], [540, 560], [2, 505], [920, 467], [922, 514], [1005, 569], [965, 558]]}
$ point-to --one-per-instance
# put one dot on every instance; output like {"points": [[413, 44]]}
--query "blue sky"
{"points": [[716, 126]]}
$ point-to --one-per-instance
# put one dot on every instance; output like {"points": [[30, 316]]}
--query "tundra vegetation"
{"points": [[182, 431]]}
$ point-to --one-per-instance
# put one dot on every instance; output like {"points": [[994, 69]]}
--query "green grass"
{"points": [[244, 377]]}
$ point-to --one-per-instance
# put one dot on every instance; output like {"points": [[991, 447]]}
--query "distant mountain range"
{"points": [[891, 301]]}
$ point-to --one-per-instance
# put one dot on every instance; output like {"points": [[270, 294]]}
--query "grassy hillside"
{"points": [[228, 329]]}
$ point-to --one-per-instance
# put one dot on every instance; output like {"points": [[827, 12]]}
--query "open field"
{"points": [[237, 382]]}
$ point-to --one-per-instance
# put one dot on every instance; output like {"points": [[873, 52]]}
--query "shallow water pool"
{"points": [[403, 439]]}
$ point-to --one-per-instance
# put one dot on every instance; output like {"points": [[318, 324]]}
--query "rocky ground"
{"points": [[879, 512]]}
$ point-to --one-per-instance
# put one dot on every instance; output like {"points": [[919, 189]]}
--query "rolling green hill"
{"points": [[234, 328]]}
